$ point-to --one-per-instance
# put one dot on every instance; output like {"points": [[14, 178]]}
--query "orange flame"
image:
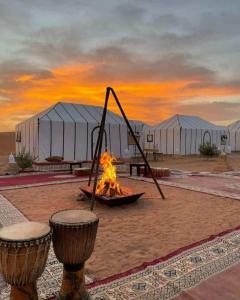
{"points": [[108, 185]]}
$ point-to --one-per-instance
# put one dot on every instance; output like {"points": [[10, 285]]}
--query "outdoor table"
{"points": [[74, 163], [138, 166]]}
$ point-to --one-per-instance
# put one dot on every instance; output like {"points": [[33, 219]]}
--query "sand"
{"points": [[198, 163], [133, 234], [7, 145], [3, 163]]}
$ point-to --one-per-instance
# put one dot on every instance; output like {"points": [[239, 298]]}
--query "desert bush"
{"points": [[24, 159], [209, 150]]}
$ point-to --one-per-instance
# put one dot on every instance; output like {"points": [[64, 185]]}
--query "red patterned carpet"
{"points": [[10, 181]]}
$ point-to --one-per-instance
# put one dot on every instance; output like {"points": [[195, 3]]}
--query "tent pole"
{"points": [[99, 150], [136, 142]]}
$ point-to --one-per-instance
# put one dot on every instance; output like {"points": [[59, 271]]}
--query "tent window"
{"points": [[18, 137], [131, 139], [150, 138]]}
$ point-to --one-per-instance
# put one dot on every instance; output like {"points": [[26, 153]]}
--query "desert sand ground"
{"points": [[196, 162], [133, 234]]}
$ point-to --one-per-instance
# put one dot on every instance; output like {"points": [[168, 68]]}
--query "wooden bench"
{"points": [[45, 166], [160, 172]]}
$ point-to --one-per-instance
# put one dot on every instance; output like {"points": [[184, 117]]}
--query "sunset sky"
{"points": [[161, 56]]}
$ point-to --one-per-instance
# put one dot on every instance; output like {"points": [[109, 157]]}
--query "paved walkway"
{"points": [[223, 286]]}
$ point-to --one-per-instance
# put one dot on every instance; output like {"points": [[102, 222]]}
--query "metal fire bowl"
{"points": [[113, 201]]}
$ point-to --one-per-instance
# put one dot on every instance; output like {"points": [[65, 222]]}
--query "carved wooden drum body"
{"points": [[74, 235], [23, 254]]}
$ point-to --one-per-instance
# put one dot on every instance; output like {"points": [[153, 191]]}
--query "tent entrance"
{"points": [[94, 136], [207, 137]]}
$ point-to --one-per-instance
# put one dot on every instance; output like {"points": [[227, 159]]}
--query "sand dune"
{"points": [[7, 143]]}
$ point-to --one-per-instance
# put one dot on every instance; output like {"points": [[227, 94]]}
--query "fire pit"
{"points": [[108, 189], [112, 201]]}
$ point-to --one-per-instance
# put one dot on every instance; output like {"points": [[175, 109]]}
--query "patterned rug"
{"points": [[226, 190], [19, 182], [160, 279], [167, 277]]}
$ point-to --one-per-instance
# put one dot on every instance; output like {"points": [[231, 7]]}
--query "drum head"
{"points": [[24, 231], [73, 216]]}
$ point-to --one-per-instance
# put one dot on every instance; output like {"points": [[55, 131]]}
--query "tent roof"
{"points": [[80, 113], [188, 122], [235, 126]]}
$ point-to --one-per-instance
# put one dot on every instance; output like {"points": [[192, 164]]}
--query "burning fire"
{"points": [[108, 185]]}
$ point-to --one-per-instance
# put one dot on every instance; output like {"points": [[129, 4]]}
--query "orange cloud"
{"points": [[148, 100]]}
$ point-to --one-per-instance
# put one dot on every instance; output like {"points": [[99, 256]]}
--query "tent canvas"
{"points": [[234, 131], [70, 130], [183, 135]]}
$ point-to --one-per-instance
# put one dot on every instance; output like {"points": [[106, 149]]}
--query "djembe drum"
{"points": [[74, 234], [23, 254]]}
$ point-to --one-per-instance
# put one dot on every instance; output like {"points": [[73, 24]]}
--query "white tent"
{"points": [[234, 130], [71, 130], [183, 135]]}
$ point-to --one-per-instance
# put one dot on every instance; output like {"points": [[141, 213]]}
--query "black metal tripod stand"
{"points": [[98, 149]]}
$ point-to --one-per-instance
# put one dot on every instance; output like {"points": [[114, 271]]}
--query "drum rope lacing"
{"points": [[29, 243], [22, 254], [16, 257]]}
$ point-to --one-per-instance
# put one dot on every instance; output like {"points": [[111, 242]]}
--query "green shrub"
{"points": [[209, 150], [24, 159]]}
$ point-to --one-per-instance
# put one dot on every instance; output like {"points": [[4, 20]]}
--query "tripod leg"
{"points": [[136, 141], [94, 159], [99, 149]]}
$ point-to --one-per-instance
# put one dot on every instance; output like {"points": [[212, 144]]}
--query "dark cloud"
{"points": [[13, 18], [126, 42], [116, 64], [15, 75], [214, 111], [215, 84], [18, 68], [130, 11]]}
